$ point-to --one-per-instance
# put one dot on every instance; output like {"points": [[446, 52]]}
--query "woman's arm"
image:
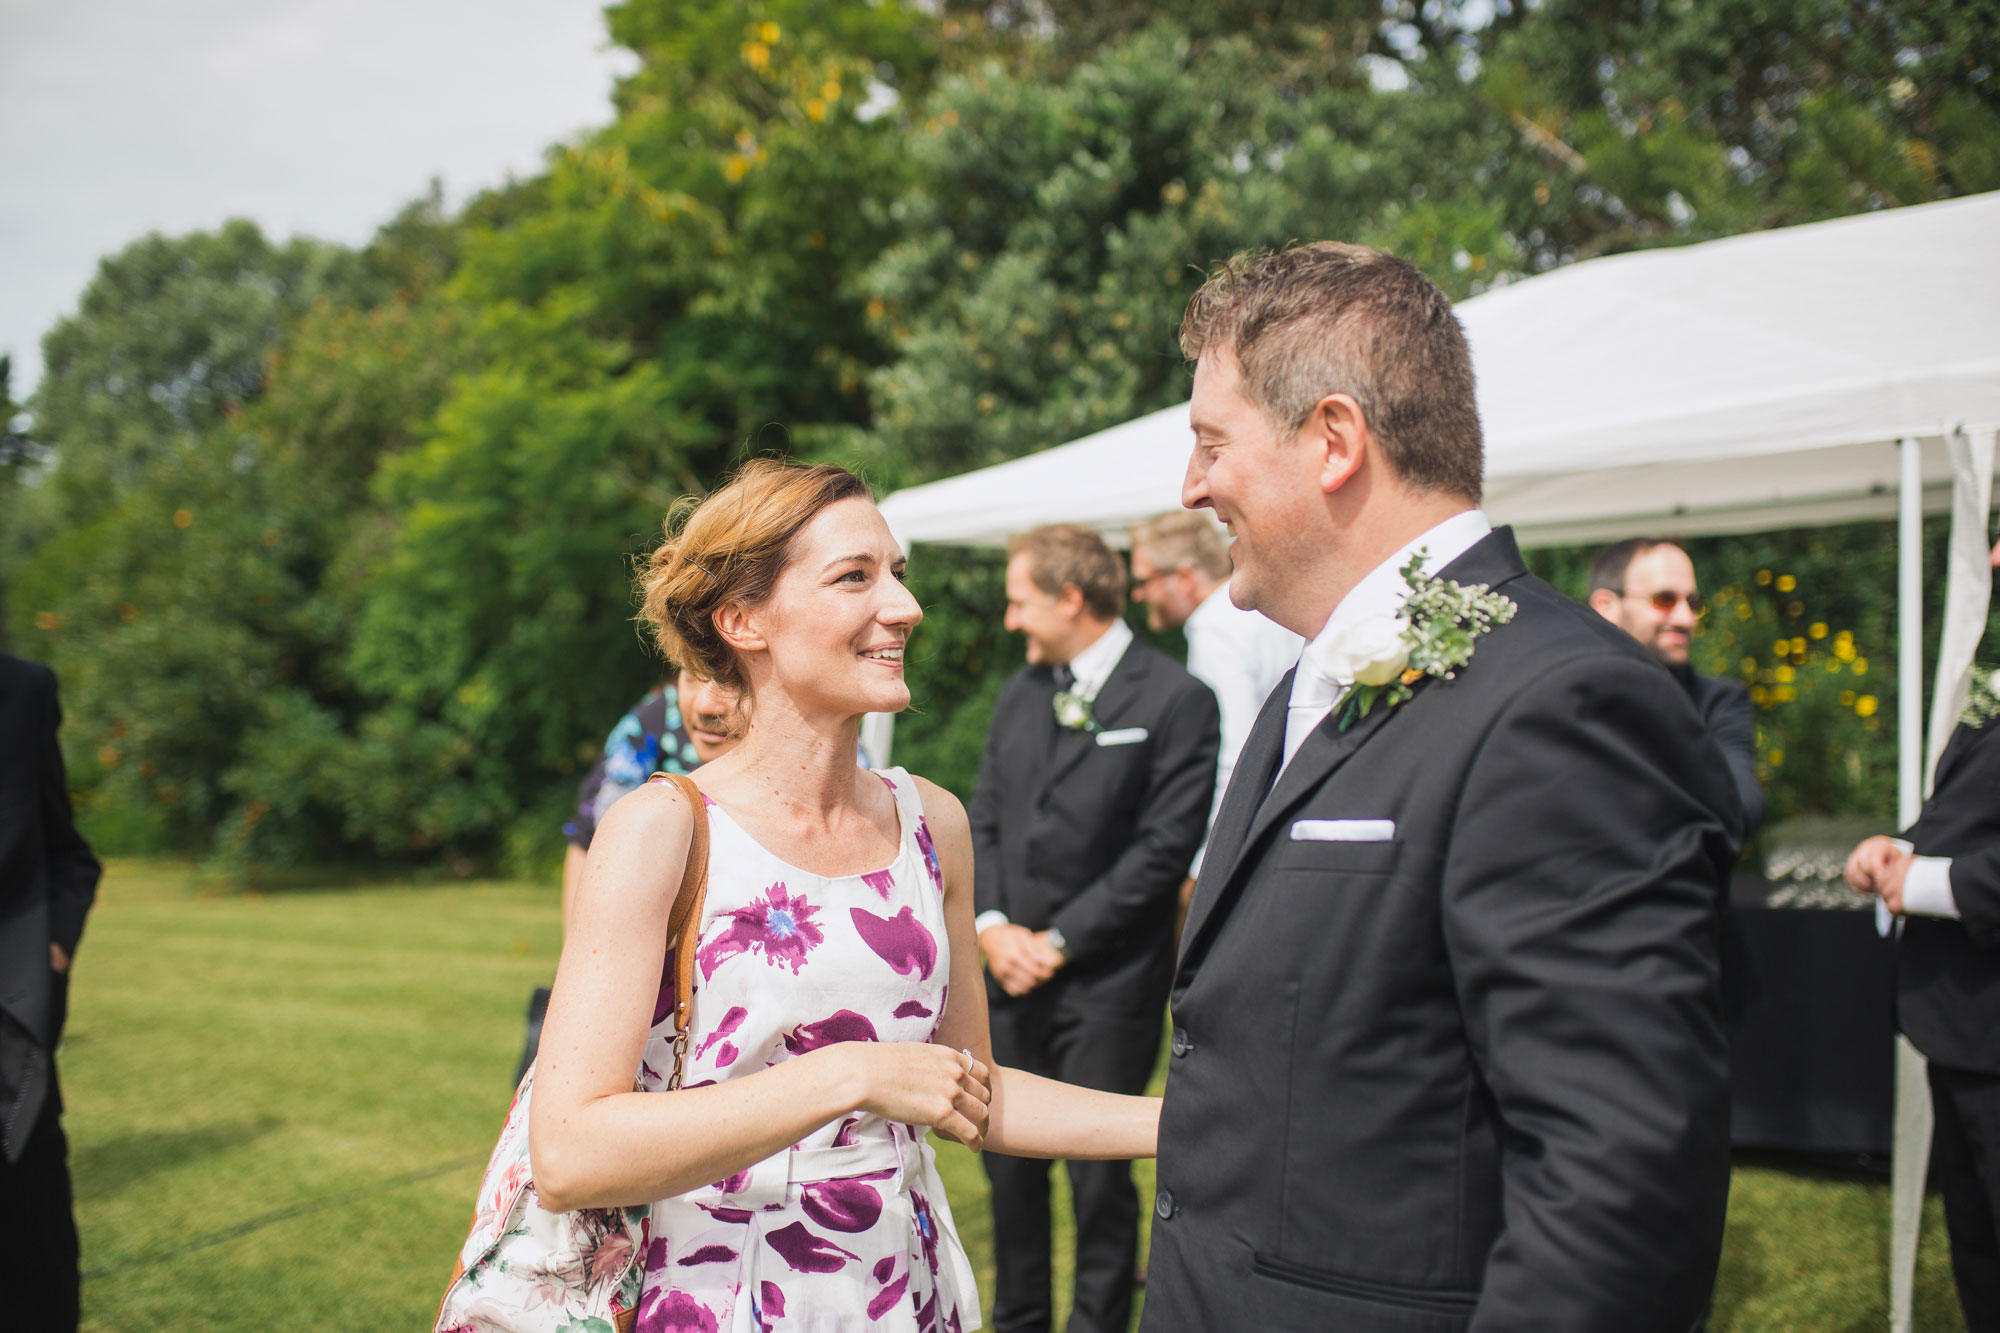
{"points": [[597, 1143], [1031, 1116]]}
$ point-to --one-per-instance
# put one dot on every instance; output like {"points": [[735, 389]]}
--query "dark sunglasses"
{"points": [[1665, 601]]}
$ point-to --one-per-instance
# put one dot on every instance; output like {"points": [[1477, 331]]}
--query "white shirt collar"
{"points": [[1093, 666], [1381, 591]]}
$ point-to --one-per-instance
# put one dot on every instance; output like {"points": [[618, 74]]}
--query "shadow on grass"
{"points": [[103, 1169]]}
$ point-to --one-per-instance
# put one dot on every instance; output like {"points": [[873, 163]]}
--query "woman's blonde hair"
{"points": [[731, 547]]}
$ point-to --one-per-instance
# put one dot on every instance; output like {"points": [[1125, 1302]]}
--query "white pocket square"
{"points": [[1344, 830], [1123, 736]]}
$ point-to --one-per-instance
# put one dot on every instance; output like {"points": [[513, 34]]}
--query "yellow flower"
{"points": [[769, 33], [1784, 675], [830, 90], [1763, 578], [756, 55], [1860, 666], [1786, 583], [183, 518], [1843, 648], [736, 168], [815, 109], [1866, 705], [1775, 758], [1817, 629]]}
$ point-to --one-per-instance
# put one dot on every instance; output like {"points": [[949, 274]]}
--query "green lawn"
{"points": [[279, 1104]]}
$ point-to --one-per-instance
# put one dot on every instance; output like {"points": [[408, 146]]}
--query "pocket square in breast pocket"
{"points": [[1344, 830], [1123, 736]]}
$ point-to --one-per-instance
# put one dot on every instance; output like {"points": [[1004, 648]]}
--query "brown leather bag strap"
{"points": [[684, 924]]}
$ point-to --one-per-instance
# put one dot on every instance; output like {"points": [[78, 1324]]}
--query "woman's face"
{"points": [[712, 714], [835, 623]]}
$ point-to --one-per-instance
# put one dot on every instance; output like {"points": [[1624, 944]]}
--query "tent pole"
{"points": [[1911, 1145]]}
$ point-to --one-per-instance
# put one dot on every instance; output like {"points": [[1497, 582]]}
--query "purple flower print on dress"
{"points": [[778, 925], [842, 1205], [927, 1231], [726, 1028], [881, 881], [807, 1253], [901, 941], [674, 1312], [885, 1300], [709, 1254], [929, 849], [911, 1009], [841, 1025], [738, 1216], [768, 1304]]}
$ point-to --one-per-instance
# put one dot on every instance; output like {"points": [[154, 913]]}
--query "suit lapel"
{"points": [[1262, 749], [1121, 690], [1246, 819]]}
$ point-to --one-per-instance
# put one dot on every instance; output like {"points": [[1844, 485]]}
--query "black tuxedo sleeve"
{"points": [[984, 812], [1579, 894], [1173, 819], [1962, 820], [1732, 720], [72, 870]]}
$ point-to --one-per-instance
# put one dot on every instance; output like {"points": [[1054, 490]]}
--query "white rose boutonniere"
{"points": [[1983, 704], [1075, 711], [1434, 636], [1373, 652]]}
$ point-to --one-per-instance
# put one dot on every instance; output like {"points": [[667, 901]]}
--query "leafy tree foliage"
{"points": [[333, 547]]}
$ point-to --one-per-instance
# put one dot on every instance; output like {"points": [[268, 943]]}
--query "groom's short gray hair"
{"points": [[1330, 317]]}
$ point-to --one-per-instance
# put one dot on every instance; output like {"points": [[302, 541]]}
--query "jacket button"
{"points": [[1164, 1206], [1182, 1042]]}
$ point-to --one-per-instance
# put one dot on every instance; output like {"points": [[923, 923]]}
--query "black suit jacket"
{"points": [[1095, 839], [1732, 719], [1948, 972], [47, 881], [1472, 1077]]}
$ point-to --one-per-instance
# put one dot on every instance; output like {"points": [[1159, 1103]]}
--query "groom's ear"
{"points": [[1338, 433]]}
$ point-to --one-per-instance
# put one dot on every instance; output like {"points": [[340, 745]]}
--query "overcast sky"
{"points": [[119, 117]]}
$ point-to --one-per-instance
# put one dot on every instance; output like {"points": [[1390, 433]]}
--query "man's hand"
{"points": [[58, 960], [1018, 958], [1878, 867]]}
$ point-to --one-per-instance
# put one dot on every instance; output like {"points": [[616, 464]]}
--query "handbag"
{"points": [[525, 1269]]}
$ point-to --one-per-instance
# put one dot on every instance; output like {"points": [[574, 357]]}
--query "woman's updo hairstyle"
{"points": [[731, 546]]}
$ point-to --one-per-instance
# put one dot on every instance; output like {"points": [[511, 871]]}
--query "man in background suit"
{"points": [[48, 879], [1646, 587], [1093, 793], [1943, 878], [1447, 1049]]}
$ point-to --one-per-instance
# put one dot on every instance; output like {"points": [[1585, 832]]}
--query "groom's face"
{"points": [[1263, 485]]}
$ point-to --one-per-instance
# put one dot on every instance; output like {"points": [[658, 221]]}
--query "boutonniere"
{"points": [[1433, 635], [1075, 711], [1983, 704]]}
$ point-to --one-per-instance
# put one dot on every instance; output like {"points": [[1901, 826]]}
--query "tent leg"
{"points": [[878, 731], [1911, 1144]]}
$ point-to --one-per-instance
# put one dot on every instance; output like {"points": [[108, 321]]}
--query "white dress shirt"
{"points": [[1088, 671], [1241, 655], [1380, 593], [1927, 886]]}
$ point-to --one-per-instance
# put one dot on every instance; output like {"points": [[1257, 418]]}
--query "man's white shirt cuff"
{"points": [[1927, 888], [987, 920]]}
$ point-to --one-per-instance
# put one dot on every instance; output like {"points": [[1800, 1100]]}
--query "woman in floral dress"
{"points": [[838, 1013]]}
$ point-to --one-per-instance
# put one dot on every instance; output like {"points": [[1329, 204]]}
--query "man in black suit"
{"points": [[1943, 878], [1646, 587], [48, 879], [1447, 1048], [1092, 796]]}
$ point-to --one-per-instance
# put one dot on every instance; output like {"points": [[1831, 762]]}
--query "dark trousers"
{"points": [[39, 1287], [1965, 1164], [1041, 1035]]}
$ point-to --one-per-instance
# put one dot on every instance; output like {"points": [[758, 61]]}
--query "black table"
{"points": [[1810, 1007]]}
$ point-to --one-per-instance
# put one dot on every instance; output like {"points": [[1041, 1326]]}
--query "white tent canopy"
{"points": [[1750, 383], [1836, 371]]}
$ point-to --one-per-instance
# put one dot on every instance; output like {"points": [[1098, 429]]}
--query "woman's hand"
{"points": [[920, 1083]]}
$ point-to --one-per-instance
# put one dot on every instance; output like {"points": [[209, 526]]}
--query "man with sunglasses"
{"points": [[1646, 587]]}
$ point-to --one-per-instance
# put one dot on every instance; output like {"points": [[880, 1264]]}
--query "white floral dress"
{"points": [[849, 1228]]}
